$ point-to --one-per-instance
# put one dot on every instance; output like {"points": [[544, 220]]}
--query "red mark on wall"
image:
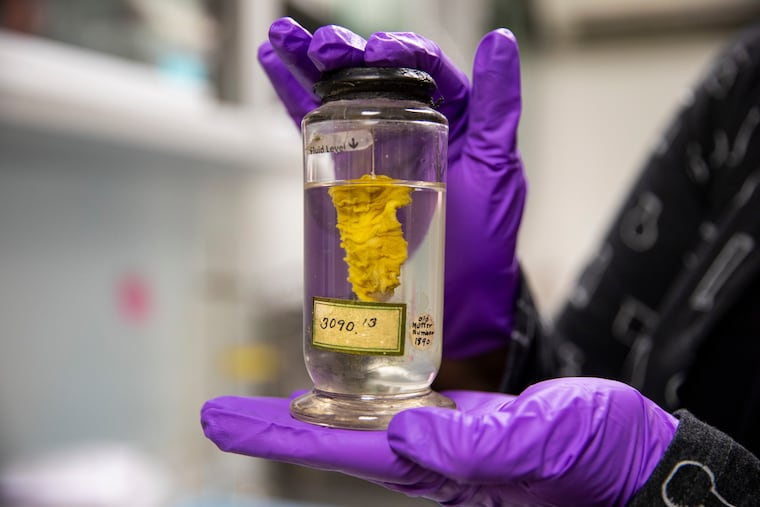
{"points": [[134, 299]]}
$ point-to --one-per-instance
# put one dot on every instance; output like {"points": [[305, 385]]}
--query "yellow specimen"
{"points": [[371, 234]]}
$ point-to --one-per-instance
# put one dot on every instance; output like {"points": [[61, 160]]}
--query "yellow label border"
{"points": [[346, 303]]}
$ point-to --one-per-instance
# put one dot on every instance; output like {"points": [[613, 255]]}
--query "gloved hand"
{"points": [[571, 441], [486, 185]]}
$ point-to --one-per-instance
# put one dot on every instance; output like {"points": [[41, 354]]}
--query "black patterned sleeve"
{"points": [[702, 466], [680, 202]]}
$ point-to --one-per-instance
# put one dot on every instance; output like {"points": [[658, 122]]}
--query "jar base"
{"points": [[360, 412]]}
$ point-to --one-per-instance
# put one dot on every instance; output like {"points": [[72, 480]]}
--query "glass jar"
{"points": [[375, 157]]}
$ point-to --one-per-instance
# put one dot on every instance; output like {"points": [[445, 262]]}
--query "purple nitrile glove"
{"points": [[571, 441], [486, 185]]}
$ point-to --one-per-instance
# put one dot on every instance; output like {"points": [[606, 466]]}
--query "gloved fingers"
{"points": [[290, 41], [263, 427], [295, 98], [463, 447], [446, 487], [305, 57], [495, 101], [405, 49], [541, 435], [334, 47], [496, 438]]}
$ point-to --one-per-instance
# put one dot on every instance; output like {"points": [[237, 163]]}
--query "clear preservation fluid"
{"points": [[420, 290]]}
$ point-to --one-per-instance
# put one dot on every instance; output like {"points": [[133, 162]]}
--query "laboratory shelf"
{"points": [[53, 87]]}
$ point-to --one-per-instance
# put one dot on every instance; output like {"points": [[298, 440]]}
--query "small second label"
{"points": [[422, 331]]}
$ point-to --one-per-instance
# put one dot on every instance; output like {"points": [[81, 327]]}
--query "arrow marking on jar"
{"points": [[338, 142]]}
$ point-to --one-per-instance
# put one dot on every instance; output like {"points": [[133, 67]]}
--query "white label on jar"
{"points": [[338, 142], [358, 327], [422, 331]]}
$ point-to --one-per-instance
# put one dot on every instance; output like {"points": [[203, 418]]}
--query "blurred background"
{"points": [[150, 216]]}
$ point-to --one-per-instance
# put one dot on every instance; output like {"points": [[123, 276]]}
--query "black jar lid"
{"points": [[391, 82]]}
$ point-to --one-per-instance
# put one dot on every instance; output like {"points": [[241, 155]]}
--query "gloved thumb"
{"points": [[455, 444], [495, 101], [560, 441]]}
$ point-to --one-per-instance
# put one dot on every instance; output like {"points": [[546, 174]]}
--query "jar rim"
{"points": [[394, 82]]}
